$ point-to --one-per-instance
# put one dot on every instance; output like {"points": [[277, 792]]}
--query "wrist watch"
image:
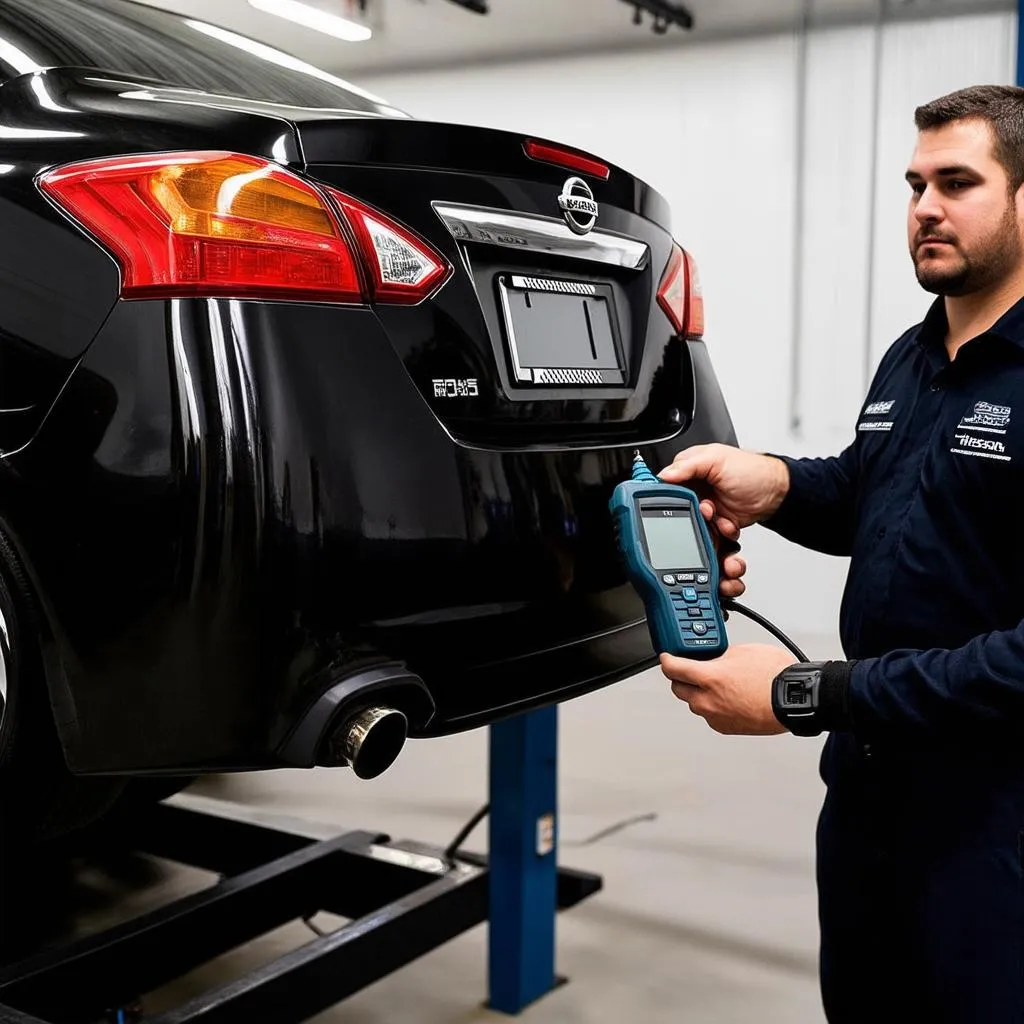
{"points": [[796, 698]]}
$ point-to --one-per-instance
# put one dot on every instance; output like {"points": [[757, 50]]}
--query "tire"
{"points": [[40, 800]]}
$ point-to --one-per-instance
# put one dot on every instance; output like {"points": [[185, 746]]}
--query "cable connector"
{"points": [[730, 604], [640, 470]]}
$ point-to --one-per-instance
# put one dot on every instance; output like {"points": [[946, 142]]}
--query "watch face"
{"points": [[796, 694], [795, 698]]}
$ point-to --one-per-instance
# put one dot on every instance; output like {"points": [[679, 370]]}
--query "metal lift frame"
{"points": [[402, 900]]}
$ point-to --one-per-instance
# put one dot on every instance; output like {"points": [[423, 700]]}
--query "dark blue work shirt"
{"points": [[926, 501]]}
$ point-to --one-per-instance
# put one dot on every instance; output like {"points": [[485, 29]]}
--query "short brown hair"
{"points": [[1000, 106]]}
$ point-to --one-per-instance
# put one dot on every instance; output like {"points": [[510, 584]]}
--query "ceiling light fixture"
{"points": [[314, 18], [663, 14], [476, 6]]}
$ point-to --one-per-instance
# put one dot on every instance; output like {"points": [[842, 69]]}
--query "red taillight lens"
{"points": [[672, 290], [679, 294], [566, 158], [210, 223], [694, 299], [404, 269]]}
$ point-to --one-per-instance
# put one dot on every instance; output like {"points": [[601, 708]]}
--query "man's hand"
{"points": [[733, 692], [740, 487], [733, 568]]}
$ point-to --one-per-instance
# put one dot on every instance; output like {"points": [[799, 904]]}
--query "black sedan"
{"points": [[310, 411]]}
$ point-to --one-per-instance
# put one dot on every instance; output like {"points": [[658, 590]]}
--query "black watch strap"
{"points": [[812, 697]]}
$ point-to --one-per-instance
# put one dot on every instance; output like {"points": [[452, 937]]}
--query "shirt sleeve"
{"points": [[819, 510], [976, 689]]}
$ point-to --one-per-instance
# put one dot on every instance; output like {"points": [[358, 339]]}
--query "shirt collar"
{"points": [[1011, 324], [1009, 327], [932, 333]]}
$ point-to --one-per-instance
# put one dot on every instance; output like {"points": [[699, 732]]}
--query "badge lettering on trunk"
{"points": [[577, 204], [455, 387]]}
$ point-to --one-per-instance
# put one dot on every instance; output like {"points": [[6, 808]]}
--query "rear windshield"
{"points": [[133, 39]]}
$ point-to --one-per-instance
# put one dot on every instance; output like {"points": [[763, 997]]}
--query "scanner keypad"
{"points": [[691, 601]]}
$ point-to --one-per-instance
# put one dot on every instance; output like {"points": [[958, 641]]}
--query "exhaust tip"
{"points": [[371, 740]]}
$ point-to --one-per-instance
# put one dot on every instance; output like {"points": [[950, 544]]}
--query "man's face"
{"points": [[966, 232]]}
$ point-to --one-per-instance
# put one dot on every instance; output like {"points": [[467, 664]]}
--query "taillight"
{"points": [[694, 299], [680, 296], [403, 267], [568, 158], [210, 223], [215, 223]]}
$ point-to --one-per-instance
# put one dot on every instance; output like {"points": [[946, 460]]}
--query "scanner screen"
{"points": [[672, 541]]}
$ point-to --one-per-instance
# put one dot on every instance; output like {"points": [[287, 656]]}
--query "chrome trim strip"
{"points": [[566, 375], [539, 234], [545, 284]]}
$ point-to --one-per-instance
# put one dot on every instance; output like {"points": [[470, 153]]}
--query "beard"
{"points": [[987, 264]]}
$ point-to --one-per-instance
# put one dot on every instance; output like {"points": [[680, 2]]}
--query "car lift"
{"points": [[402, 900]]}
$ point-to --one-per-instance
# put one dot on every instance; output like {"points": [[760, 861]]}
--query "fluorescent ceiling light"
{"points": [[312, 17]]}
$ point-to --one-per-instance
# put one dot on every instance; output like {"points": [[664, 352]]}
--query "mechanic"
{"points": [[921, 834]]}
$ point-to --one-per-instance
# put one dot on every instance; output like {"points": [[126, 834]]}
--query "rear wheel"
{"points": [[40, 800]]}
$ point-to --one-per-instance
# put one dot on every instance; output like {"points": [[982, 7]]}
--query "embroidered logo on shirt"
{"points": [[982, 447], [992, 419], [877, 409], [975, 430]]}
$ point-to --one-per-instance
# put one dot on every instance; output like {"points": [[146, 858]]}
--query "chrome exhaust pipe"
{"points": [[356, 721], [371, 740]]}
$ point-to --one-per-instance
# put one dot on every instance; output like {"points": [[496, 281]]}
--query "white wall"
{"points": [[714, 128]]}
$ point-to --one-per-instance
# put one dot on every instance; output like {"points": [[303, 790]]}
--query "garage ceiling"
{"points": [[417, 34]]}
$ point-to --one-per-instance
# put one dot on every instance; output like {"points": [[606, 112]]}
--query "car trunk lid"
{"points": [[548, 330]]}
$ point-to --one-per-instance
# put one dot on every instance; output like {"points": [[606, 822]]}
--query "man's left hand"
{"points": [[733, 692]]}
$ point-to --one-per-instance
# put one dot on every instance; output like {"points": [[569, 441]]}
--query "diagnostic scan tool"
{"points": [[672, 563]]}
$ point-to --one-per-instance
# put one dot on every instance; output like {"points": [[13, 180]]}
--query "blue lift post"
{"points": [[1020, 42], [522, 859]]}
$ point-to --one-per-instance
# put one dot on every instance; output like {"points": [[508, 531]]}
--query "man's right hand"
{"points": [[738, 488]]}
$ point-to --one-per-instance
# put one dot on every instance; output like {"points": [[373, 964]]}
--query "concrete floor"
{"points": [[708, 910]]}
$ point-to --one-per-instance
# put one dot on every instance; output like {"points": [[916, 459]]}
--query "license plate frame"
{"points": [[533, 310]]}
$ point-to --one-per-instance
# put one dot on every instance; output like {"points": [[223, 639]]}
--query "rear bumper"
{"points": [[485, 693], [233, 505]]}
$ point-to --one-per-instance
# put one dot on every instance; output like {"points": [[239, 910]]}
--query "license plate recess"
{"points": [[561, 332]]}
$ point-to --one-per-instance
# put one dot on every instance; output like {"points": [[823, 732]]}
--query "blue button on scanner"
{"points": [[689, 594]]}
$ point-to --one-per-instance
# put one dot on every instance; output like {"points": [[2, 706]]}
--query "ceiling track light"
{"points": [[315, 18], [476, 6], [663, 14]]}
